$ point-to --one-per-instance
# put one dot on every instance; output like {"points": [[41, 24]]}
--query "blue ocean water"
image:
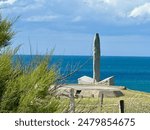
{"points": [[132, 72]]}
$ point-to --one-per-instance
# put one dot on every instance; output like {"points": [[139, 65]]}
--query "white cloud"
{"points": [[141, 11], [7, 2], [107, 11], [120, 11], [36, 4], [46, 18]]}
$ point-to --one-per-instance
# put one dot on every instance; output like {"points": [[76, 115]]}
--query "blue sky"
{"points": [[69, 26]]}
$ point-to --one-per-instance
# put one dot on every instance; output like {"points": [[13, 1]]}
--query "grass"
{"points": [[135, 102]]}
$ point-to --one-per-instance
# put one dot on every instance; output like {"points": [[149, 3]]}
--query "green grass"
{"points": [[135, 102]]}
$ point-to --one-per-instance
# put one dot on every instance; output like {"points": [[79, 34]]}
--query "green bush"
{"points": [[25, 88], [6, 32], [5, 71]]}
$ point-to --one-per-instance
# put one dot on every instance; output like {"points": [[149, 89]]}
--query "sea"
{"points": [[131, 72]]}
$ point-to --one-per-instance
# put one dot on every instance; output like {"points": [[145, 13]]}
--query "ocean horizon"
{"points": [[132, 72]]}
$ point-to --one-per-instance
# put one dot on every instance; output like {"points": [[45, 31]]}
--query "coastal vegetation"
{"points": [[24, 88], [6, 32]]}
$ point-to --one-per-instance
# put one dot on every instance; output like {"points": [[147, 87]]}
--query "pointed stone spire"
{"points": [[96, 58]]}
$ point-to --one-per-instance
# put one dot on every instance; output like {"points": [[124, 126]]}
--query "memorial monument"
{"points": [[96, 67], [93, 87]]}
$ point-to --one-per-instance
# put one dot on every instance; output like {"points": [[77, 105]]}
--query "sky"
{"points": [[69, 26]]}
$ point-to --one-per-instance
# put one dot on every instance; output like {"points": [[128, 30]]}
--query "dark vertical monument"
{"points": [[96, 58]]}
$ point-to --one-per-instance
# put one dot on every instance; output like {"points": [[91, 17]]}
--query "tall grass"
{"points": [[25, 88], [6, 32]]}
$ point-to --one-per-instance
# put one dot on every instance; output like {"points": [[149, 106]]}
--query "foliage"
{"points": [[25, 88], [5, 70], [6, 32]]}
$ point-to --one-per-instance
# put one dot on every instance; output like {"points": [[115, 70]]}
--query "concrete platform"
{"points": [[90, 90], [88, 80]]}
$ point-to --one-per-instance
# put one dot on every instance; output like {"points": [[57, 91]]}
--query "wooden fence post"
{"points": [[92, 95], [121, 106], [101, 100], [72, 101]]}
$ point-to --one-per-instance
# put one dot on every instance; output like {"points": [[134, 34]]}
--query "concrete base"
{"points": [[88, 80], [95, 93], [108, 81], [111, 93], [89, 91], [85, 80]]}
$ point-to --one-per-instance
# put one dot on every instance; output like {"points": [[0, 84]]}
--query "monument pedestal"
{"points": [[88, 80]]}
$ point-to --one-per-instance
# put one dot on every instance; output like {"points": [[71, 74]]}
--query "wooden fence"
{"points": [[72, 105]]}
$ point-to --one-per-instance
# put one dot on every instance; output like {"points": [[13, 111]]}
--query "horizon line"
{"points": [[83, 55]]}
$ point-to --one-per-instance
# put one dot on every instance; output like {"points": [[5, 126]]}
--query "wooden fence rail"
{"points": [[72, 102]]}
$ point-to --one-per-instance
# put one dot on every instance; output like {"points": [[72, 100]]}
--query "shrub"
{"points": [[25, 88], [5, 70], [6, 32]]}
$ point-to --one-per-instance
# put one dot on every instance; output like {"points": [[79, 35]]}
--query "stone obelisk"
{"points": [[96, 59]]}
